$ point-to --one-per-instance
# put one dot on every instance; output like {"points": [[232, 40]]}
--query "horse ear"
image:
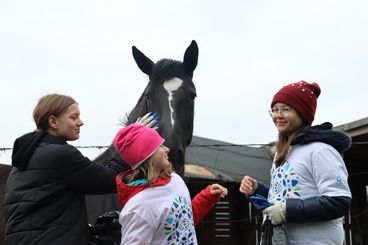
{"points": [[191, 57], [143, 62]]}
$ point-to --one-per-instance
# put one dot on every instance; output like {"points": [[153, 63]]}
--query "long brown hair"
{"points": [[283, 146], [147, 171], [51, 104]]}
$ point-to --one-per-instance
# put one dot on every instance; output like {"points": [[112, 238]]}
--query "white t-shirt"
{"points": [[159, 215], [310, 170]]}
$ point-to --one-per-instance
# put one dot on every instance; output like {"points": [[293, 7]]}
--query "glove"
{"points": [[149, 120], [276, 213]]}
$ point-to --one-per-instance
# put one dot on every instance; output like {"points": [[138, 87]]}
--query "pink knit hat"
{"points": [[136, 143], [301, 96]]}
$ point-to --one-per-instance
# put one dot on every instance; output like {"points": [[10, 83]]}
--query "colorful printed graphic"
{"points": [[179, 227], [284, 183]]}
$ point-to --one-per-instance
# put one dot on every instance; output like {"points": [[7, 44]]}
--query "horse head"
{"points": [[170, 93]]}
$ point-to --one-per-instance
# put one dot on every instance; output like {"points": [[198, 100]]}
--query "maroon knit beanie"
{"points": [[302, 96]]}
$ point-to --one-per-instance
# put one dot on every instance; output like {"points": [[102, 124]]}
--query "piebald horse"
{"points": [[170, 93]]}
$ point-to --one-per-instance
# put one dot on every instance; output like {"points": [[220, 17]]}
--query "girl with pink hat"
{"points": [[157, 206], [309, 188]]}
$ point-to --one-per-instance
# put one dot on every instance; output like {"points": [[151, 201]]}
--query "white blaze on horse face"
{"points": [[171, 86]]}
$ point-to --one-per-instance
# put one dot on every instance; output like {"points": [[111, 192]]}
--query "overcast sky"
{"points": [[247, 51]]}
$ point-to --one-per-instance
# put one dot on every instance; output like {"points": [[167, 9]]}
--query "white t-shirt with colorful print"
{"points": [[315, 169], [159, 216]]}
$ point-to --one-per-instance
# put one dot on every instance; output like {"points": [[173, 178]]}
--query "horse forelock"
{"points": [[166, 69]]}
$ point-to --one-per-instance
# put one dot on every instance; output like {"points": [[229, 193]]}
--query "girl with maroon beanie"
{"points": [[309, 187]]}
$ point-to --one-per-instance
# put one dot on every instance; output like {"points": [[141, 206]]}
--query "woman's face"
{"points": [[68, 124], [161, 158], [286, 119]]}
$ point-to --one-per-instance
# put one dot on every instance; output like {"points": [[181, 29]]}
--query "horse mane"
{"points": [[129, 118]]}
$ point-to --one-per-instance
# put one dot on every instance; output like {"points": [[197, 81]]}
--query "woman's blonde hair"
{"points": [[51, 104], [147, 170]]}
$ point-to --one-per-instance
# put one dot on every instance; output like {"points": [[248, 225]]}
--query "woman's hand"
{"points": [[149, 120], [248, 185]]}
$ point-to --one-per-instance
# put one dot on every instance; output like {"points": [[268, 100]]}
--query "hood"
{"points": [[324, 133], [23, 148], [125, 192], [25, 145]]}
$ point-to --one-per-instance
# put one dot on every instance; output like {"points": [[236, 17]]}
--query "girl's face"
{"points": [[161, 158], [68, 124], [286, 119]]}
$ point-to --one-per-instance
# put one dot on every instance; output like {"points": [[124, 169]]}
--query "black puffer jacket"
{"points": [[44, 200], [321, 208]]}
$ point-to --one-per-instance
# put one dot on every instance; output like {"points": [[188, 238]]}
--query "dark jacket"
{"points": [[319, 208], [45, 191]]}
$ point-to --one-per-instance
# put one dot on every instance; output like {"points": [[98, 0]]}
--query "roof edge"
{"points": [[355, 128]]}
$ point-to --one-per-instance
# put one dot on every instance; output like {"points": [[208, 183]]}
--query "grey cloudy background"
{"points": [[247, 51]]}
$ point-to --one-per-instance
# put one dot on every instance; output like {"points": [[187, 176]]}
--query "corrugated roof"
{"points": [[232, 161]]}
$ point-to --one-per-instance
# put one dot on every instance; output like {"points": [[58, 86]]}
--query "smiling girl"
{"points": [[157, 205], [309, 181]]}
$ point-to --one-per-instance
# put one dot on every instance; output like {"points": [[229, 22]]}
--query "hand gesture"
{"points": [[149, 120], [217, 189], [248, 185]]}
